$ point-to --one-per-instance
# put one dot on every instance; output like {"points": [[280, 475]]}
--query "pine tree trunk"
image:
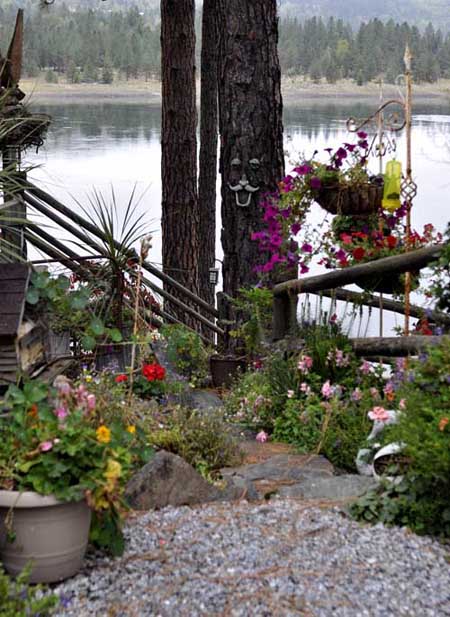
{"points": [[208, 149], [251, 130], [180, 214]]}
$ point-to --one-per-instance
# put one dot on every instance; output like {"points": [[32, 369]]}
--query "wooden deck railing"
{"points": [[285, 294]]}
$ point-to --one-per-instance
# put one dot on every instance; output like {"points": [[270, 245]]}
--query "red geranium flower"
{"points": [[153, 372], [121, 378], [358, 253], [391, 242]]}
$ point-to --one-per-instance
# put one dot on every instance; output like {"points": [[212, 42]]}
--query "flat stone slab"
{"points": [[337, 487], [281, 470]]}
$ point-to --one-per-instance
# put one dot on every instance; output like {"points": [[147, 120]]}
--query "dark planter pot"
{"points": [[364, 199], [392, 284], [225, 370]]}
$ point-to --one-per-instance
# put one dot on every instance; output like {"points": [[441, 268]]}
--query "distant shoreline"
{"points": [[296, 91]]}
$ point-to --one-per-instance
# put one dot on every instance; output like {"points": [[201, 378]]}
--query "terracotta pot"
{"points": [[225, 370], [53, 535], [364, 199]]}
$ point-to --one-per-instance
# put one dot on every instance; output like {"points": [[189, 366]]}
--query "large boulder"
{"points": [[168, 480]]}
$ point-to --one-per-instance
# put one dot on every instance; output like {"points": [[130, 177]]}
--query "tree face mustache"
{"points": [[244, 188]]}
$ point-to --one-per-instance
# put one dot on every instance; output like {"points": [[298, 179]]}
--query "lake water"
{"points": [[119, 145]]}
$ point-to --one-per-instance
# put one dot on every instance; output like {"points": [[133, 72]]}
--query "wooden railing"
{"points": [[285, 297], [86, 232]]}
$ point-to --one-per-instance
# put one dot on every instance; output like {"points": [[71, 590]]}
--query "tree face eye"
{"points": [[236, 162], [254, 164]]}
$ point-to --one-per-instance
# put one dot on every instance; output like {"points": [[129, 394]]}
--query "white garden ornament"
{"points": [[367, 456]]}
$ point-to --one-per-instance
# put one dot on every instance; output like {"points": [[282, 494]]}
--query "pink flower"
{"points": [[64, 388], [327, 389], [356, 395], [379, 414], [304, 364], [45, 446], [262, 437], [290, 393], [305, 388], [374, 393], [402, 404], [365, 367], [90, 401], [61, 413]]}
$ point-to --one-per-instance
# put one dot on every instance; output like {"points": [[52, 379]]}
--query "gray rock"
{"points": [[337, 487], [203, 400], [168, 480]]}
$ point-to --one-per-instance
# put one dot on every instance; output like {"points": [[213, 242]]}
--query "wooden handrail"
{"points": [[285, 294], [366, 299], [43, 209], [398, 264], [79, 220]]}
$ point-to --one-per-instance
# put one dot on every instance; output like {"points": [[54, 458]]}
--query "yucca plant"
{"points": [[120, 233]]}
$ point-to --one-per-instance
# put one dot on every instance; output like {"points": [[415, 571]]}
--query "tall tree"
{"points": [[180, 214], [208, 148], [251, 129]]}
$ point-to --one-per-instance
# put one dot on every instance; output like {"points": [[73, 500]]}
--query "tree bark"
{"points": [[208, 150], [180, 213], [251, 130]]}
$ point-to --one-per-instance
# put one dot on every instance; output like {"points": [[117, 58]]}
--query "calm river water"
{"points": [[119, 145]]}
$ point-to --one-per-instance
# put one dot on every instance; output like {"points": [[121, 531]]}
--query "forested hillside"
{"points": [[84, 45], [418, 12]]}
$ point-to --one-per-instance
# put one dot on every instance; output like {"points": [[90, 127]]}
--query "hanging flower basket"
{"points": [[392, 284], [362, 199]]}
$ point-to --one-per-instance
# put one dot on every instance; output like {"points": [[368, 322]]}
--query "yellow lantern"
{"points": [[392, 186]]}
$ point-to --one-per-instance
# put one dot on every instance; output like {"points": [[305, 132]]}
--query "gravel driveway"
{"points": [[277, 559]]}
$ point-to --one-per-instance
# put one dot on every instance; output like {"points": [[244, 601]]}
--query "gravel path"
{"points": [[282, 558]]}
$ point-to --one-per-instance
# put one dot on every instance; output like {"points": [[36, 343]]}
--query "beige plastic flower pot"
{"points": [[53, 535]]}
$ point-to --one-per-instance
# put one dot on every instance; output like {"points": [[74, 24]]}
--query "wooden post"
{"points": [[284, 315]]}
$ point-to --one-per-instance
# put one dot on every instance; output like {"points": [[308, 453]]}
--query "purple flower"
{"points": [[303, 268], [303, 170], [350, 147], [295, 228], [340, 255], [341, 153], [306, 248], [315, 183], [362, 135]]}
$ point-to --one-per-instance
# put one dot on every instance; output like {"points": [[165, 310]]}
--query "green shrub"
{"points": [[250, 402], [186, 350], [200, 437], [422, 500], [18, 599]]}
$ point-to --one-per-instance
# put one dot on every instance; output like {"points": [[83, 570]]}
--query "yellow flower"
{"points": [[88, 378], [113, 469], [103, 434], [131, 429]]}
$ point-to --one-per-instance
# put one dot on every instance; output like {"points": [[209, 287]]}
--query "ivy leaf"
{"points": [[88, 342], [97, 326], [33, 295], [78, 301], [116, 335]]}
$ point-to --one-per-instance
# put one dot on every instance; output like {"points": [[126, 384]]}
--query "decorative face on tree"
{"points": [[244, 179]]}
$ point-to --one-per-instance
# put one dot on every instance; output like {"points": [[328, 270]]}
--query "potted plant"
{"points": [[341, 185], [56, 468], [354, 247]]}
